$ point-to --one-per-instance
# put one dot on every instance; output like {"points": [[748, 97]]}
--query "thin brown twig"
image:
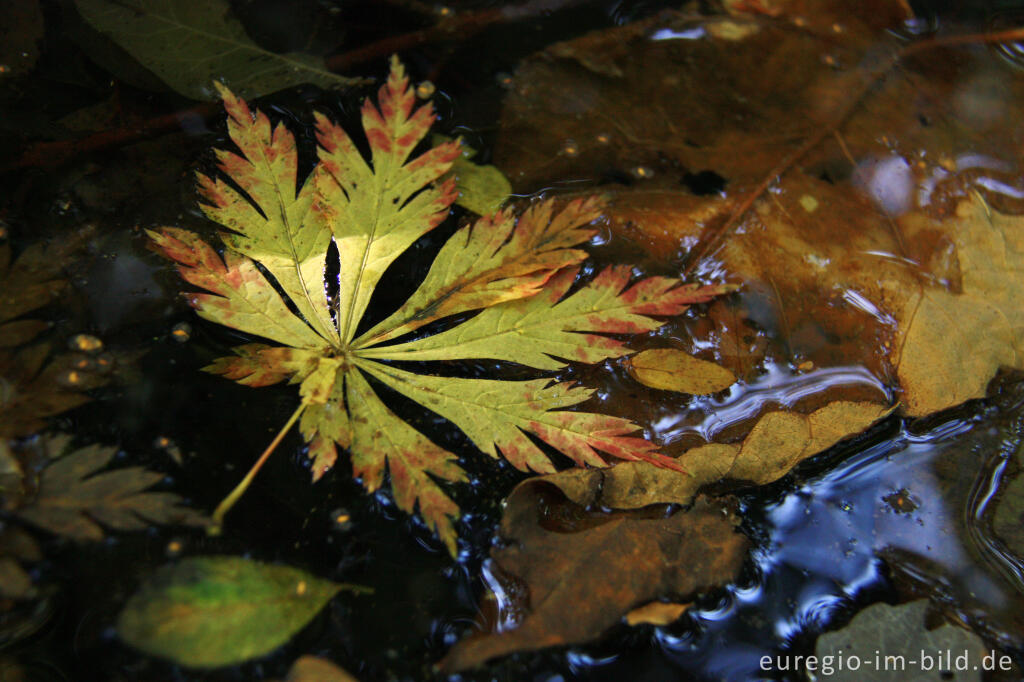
{"points": [[709, 244], [460, 26]]}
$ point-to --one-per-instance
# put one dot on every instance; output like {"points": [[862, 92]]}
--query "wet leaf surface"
{"points": [[778, 442], [483, 188], [207, 612], [640, 557], [35, 381], [190, 46], [519, 271], [900, 632], [672, 370]]}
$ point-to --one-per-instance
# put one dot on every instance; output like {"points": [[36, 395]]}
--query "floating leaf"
{"points": [[73, 500], [482, 188], [519, 273], [673, 370], [190, 45], [952, 344], [897, 636], [314, 669], [581, 581], [884, 290], [777, 443], [206, 612]]}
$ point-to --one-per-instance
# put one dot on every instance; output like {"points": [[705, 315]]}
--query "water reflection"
{"points": [[911, 505]]}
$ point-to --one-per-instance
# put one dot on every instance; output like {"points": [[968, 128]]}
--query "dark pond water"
{"points": [[905, 510]]}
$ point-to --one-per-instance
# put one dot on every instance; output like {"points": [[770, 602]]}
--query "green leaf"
{"points": [[517, 271], [378, 212], [482, 188], [535, 331], [206, 612], [190, 45]]}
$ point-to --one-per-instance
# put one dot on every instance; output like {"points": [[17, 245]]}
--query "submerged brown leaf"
{"points": [[34, 383], [674, 370], [74, 501], [640, 557], [872, 249], [952, 343]]}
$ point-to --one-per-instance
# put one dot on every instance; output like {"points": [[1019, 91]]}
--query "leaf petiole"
{"points": [[228, 502]]}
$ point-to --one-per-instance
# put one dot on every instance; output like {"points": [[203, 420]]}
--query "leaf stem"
{"points": [[228, 502]]}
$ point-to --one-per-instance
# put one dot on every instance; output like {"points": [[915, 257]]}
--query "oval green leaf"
{"points": [[206, 612]]}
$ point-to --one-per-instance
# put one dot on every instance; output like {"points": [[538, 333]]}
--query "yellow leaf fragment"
{"points": [[673, 370], [656, 613]]}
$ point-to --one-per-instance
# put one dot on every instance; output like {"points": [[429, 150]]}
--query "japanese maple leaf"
{"points": [[517, 272]]}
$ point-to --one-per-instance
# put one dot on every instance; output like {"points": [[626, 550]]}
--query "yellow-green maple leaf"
{"points": [[517, 271]]}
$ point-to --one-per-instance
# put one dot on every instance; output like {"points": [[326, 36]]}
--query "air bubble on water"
{"points": [[425, 89], [642, 172], [341, 519], [181, 332], [87, 343]]}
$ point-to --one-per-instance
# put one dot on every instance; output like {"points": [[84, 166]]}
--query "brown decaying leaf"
{"points": [[36, 385], [950, 344], [581, 583], [777, 443], [856, 256], [674, 370], [73, 500]]}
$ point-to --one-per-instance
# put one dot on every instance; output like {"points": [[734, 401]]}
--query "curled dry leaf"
{"points": [[517, 271], [674, 370], [582, 581]]}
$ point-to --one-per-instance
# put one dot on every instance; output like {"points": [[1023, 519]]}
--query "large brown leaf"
{"points": [[640, 556], [856, 254]]}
